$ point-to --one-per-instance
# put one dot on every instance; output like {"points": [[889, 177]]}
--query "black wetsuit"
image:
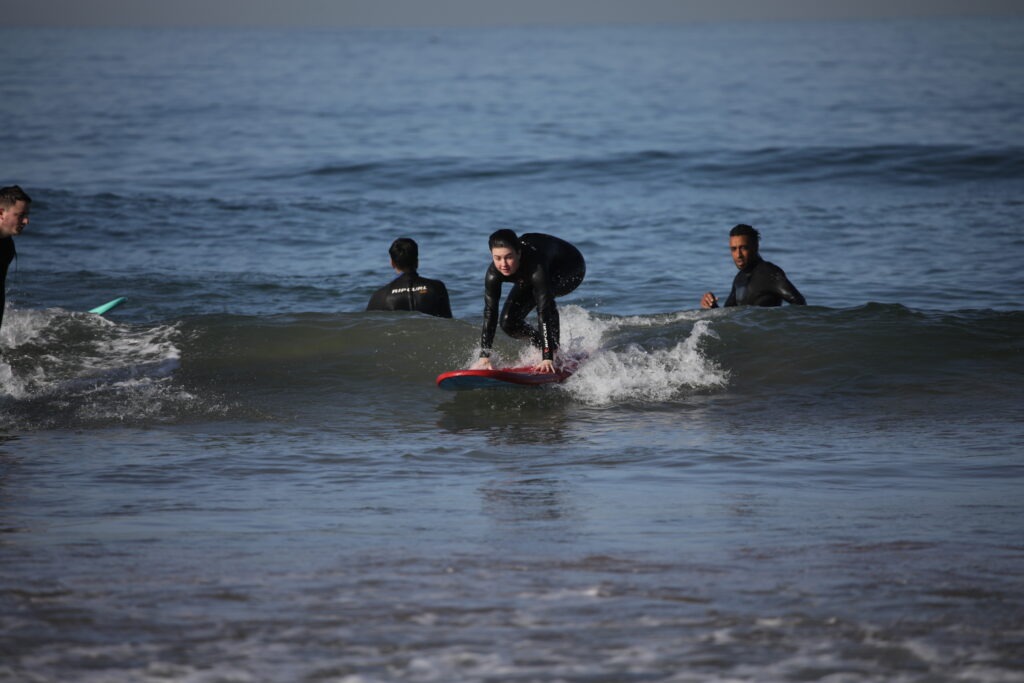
{"points": [[410, 292], [7, 254], [548, 267], [763, 284]]}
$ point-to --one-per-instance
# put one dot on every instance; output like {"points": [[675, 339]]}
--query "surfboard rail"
{"points": [[458, 380]]}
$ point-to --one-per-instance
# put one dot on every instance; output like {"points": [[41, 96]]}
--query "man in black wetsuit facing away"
{"points": [[759, 283], [14, 206], [409, 291], [540, 268]]}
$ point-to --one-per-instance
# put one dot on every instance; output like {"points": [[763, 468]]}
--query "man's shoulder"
{"points": [[430, 282], [378, 300], [385, 289], [768, 267], [381, 299]]}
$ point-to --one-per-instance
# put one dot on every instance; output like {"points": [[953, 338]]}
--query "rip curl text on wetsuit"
{"points": [[410, 292]]}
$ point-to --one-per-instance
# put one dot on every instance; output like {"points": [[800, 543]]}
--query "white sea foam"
{"points": [[634, 371], [631, 371], [86, 365], [47, 349]]}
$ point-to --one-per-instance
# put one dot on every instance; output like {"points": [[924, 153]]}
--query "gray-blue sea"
{"points": [[239, 475]]}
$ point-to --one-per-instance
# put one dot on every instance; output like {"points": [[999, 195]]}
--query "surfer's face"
{"points": [[13, 219], [743, 250], [505, 260]]}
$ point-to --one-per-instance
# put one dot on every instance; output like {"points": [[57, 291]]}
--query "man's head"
{"points": [[506, 250], [14, 205], [405, 254], [744, 244]]}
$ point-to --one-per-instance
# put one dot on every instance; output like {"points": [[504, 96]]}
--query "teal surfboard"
{"points": [[100, 310]]}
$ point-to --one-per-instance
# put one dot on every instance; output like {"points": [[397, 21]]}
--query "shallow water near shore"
{"points": [[240, 475]]}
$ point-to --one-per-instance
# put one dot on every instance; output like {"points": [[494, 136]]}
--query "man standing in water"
{"points": [[759, 283], [14, 205], [409, 291], [540, 268]]}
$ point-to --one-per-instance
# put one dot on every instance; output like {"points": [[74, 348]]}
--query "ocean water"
{"points": [[239, 475]]}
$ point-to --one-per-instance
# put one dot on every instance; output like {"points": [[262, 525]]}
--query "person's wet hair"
{"points": [[405, 253], [505, 239], [13, 194], [744, 230]]}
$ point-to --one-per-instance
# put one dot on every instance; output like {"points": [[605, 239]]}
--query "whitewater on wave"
{"points": [[66, 367], [648, 369], [63, 367]]}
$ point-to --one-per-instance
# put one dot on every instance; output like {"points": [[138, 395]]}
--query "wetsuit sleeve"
{"points": [[786, 289], [781, 287], [492, 295], [547, 312]]}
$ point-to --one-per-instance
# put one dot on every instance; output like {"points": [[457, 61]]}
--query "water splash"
{"points": [[67, 367], [618, 372], [636, 373]]}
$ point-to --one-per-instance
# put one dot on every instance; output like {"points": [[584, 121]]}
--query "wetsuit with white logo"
{"points": [[549, 267], [410, 292], [763, 284]]}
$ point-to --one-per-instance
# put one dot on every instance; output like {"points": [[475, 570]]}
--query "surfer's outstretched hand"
{"points": [[544, 366], [482, 364]]}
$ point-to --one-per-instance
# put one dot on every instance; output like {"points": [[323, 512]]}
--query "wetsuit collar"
{"points": [[753, 264]]}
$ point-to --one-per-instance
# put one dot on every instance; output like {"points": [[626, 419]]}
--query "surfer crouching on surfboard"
{"points": [[540, 268]]}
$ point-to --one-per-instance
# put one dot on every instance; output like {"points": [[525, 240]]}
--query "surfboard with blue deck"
{"points": [[100, 310], [526, 376]]}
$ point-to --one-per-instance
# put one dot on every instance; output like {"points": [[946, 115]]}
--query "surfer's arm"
{"points": [[492, 294], [547, 314], [788, 291], [774, 287]]}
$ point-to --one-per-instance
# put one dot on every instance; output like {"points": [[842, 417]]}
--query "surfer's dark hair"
{"points": [[12, 194], [505, 239], [405, 253], [744, 230]]}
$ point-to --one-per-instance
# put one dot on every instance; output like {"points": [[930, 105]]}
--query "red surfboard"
{"points": [[459, 380]]}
